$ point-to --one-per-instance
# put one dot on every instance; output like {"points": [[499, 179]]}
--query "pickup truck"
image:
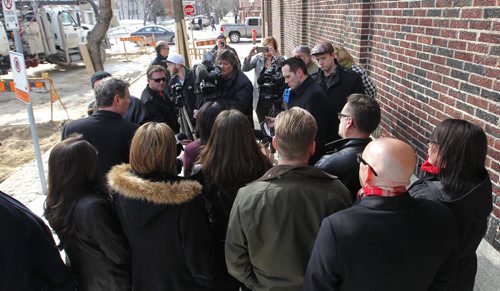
{"points": [[237, 31]]}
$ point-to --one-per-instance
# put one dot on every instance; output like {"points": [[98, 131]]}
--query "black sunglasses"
{"points": [[361, 160], [158, 80]]}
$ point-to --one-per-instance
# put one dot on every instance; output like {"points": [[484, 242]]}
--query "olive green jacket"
{"points": [[274, 222]]}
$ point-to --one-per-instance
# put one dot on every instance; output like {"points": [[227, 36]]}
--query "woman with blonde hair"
{"points": [[264, 61], [162, 216], [346, 60]]}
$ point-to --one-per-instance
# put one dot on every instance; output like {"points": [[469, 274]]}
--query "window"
{"points": [[67, 19], [253, 22]]}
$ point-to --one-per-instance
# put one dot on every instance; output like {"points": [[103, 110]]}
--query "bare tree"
{"points": [[98, 33], [150, 8], [222, 7]]}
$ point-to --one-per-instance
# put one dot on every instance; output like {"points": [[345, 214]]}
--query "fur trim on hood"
{"points": [[123, 181]]}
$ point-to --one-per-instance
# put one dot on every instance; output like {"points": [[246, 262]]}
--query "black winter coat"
{"points": [[159, 109], [29, 259], [98, 252], [237, 93], [166, 225], [342, 162], [311, 97], [385, 243], [471, 210], [345, 83], [109, 133]]}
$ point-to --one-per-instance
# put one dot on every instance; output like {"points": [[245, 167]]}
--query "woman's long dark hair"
{"points": [[462, 148], [206, 118], [232, 157], [72, 173]]}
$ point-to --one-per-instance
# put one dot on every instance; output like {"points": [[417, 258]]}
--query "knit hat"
{"points": [[99, 75]]}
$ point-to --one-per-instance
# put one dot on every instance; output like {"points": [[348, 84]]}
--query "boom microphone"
{"points": [[201, 73]]}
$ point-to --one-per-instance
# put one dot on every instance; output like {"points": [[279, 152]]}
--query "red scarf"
{"points": [[429, 168], [381, 192]]}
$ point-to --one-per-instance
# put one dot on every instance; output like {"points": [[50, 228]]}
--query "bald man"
{"points": [[388, 240]]}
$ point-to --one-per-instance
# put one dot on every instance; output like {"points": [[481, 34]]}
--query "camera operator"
{"points": [[221, 44], [233, 89], [182, 80], [268, 82]]}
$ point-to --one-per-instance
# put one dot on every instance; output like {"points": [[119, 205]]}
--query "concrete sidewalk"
{"points": [[24, 185]]}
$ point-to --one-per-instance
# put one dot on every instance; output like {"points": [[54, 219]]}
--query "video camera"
{"points": [[270, 83], [207, 77], [177, 94]]}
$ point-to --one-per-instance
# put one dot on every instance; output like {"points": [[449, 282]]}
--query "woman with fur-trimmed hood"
{"points": [[162, 215]]}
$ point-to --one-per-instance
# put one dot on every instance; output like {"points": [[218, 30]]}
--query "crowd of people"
{"points": [[335, 211]]}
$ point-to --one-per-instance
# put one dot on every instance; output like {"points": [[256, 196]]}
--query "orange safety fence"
{"points": [[36, 85], [205, 42], [7, 85]]}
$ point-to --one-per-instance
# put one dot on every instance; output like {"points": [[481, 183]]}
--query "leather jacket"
{"points": [[341, 161]]}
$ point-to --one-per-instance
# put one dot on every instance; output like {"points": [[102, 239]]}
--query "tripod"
{"points": [[186, 125]]}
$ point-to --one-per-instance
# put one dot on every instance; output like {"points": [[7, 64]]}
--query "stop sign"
{"points": [[189, 10]]}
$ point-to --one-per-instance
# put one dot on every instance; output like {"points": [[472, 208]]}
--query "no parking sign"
{"points": [[9, 13], [19, 75]]}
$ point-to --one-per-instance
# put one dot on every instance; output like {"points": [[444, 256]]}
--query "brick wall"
{"points": [[277, 30], [431, 60]]}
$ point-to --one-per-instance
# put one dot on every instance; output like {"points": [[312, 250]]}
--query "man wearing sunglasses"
{"points": [[158, 106], [358, 119], [388, 240]]}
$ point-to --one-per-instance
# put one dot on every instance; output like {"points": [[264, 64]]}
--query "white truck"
{"points": [[48, 34], [4, 51], [237, 31]]}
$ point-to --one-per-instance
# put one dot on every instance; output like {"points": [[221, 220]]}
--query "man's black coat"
{"points": [[109, 133], [310, 96], [29, 259], [345, 82], [159, 108], [385, 243], [342, 162]]}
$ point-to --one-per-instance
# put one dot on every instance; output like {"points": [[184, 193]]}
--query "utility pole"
{"points": [[180, 32]]}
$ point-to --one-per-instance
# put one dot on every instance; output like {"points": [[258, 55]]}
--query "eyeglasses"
{"points": [[361, 160], [342, 115], [158, 80]]}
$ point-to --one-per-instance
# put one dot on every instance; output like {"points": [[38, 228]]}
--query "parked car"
{"points": [[237, 31], [159, 32]]}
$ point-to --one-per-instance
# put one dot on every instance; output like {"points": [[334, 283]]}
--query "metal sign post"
{"points": [[189, 10], [21, 82]]}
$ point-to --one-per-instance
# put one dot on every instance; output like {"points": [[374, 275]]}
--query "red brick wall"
{"points": [[277, 12], [431, 60]]}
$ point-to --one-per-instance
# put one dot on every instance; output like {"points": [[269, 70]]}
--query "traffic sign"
{"points": [[19, 74], [189, 9], [10, 16]]}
